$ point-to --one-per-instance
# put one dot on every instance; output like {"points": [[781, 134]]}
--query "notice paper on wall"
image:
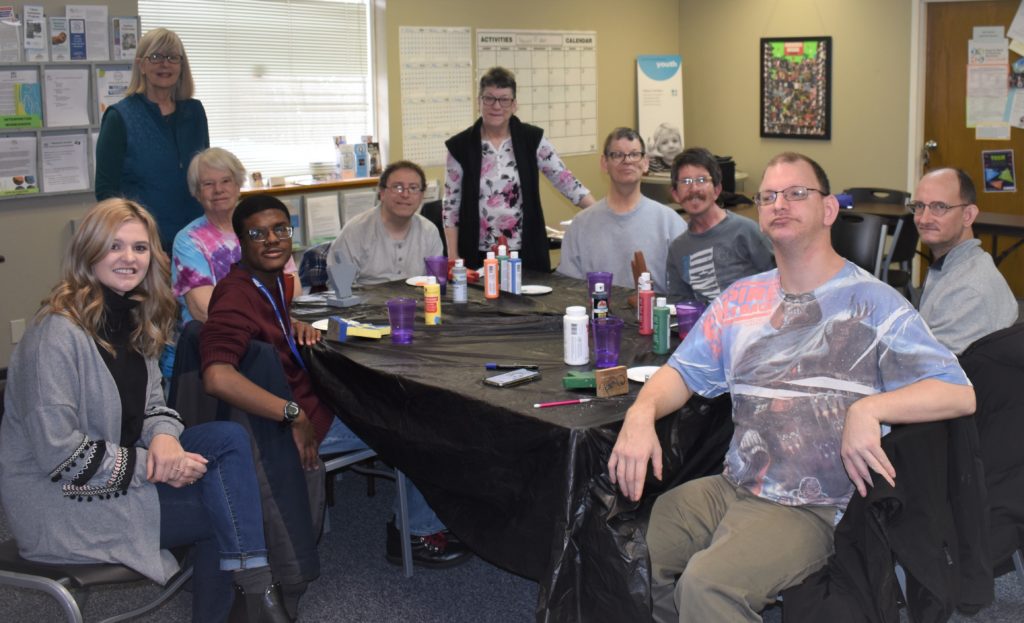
{"points": [[60, 47], [35, 35], [18, 166], [987, 83], [10, 35], [97, 43], [67, 97], [111, 85], [659, 94], [556, 80], [998, 167], [126, 37], [323, 222], [20, 99], [65, 162], [437, 88]]}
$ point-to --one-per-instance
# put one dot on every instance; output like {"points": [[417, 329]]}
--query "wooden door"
{"points": [[950, 26]]}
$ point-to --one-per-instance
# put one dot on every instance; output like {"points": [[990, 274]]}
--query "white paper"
{"points": [[96, 33], [1017, 108], [20, 104], [992, 132], [111, 85], [126, 37], [322, 220], [1016, 29], [18, 165], [986, 94], [987, 52], [60, 47], [10, 36], [65, 162], [67, 97], [35, 34], [988, 32]]}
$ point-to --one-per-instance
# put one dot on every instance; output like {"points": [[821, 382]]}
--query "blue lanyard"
{"points": [[280, 319]]}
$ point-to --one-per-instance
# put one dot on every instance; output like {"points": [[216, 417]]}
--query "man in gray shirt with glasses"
{"points": [[719, 247], [965, 296], [390, 241]]}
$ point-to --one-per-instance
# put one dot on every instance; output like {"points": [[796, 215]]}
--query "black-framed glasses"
{"points": [[490, 100], [793, 193], [402, 189], [156, 58], [937, 208], [700, 180], [620, 156], [281, 232]]}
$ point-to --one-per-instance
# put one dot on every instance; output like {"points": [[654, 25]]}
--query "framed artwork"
{"points": [[796, 87]]}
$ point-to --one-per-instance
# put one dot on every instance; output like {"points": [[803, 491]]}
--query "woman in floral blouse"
{"points": [[487, 195]]}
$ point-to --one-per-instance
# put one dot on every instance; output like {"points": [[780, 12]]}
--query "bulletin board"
{"points": [[556, 79]]}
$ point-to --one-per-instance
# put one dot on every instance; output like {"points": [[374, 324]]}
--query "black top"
{"points": [[127, 365]]}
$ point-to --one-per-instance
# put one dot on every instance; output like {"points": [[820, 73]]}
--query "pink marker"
{"points": [[559, 403]]}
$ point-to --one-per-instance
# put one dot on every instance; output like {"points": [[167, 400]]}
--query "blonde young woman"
{"points": [[93, 466]]}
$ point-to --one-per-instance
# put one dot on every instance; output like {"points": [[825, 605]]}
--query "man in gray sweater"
{"points": [[718, 247], [965, 297]]}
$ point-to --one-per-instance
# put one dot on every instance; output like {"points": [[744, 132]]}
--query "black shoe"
{"points": [[434, 551], [265, 607]]}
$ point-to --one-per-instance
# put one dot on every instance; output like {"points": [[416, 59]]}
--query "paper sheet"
{"points": [[18, 166], [323, 222], [20, 99], [35, 34], [97, 47], [126, 37], [67, 97], [65, 162], [60, 47], [10, 36], [986, 94], [111, 85]]}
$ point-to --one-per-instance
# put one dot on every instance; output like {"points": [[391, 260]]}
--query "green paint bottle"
{"points": [[662, 331]]}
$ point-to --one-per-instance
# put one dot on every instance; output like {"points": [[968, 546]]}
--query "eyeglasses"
{"points": [[259, 234], [793, 193], [937, 208], [620, 156], [157, 58], [402, 189], [700, 180], [490, 100]]}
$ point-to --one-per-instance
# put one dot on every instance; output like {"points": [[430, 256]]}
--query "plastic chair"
{"points": [[432, 210], [349, 459], [56, 580], [902, 252], [860, 238], [877, 195]]}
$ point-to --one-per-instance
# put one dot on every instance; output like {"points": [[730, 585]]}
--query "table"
{"points": [[525, 488]]}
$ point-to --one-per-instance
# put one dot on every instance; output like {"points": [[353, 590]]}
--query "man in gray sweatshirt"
{"points": [[965, 297]]}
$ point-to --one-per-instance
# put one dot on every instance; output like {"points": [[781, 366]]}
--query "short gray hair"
{"points": [[214, 158]]}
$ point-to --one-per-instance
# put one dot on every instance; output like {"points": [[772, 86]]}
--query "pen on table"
{"points": [[559, 403], [511, 366]]}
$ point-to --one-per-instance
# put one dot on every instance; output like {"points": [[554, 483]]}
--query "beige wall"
{"points": [[719, 42], [623, 32], [34, 232]]}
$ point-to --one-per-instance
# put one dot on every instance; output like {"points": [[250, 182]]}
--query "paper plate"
{"points": [[321, 325], [319, 297], [419, 280], [534, 290], [640, 374]]}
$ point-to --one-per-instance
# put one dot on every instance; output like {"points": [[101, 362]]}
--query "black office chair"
{"points": [[56, 579], [860, 238], [432, 210], [901, 252], [877, 195]]}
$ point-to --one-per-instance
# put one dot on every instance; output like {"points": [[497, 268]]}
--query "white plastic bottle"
{"points": [[459, 293], [577, 347]]}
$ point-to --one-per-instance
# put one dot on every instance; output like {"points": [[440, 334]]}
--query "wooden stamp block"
{"points": [[611, 382]]}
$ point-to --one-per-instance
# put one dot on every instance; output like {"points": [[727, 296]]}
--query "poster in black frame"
{"points": [[796, 87]]}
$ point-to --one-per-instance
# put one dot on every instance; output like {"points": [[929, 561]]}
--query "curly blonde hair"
{"points": [[79, 296]]}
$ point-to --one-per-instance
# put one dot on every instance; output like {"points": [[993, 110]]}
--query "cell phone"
{"points": [[515, 377]]}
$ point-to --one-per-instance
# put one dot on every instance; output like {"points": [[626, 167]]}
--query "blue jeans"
{"points": [[220, 514], [422, 520]]}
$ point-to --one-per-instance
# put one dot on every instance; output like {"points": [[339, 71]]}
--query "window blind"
{"points": [[278, 78]]}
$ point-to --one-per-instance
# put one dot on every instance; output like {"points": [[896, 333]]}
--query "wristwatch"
{"points": [[291, 411]]}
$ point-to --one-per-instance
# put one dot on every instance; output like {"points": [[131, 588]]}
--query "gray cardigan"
{"points": [[63, 479]]}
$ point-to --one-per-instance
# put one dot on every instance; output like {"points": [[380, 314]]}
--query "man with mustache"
{"points": [[965, 297], [605, 236], [718, 247]]}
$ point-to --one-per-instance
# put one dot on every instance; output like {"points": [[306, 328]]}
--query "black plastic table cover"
{"points": [[527, 489]]}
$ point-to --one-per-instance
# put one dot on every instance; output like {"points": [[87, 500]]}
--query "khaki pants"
{"points": [[733, 551]]}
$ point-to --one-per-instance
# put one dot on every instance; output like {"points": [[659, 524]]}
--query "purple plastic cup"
{"points": [[401, 316], [437, 265], [687, 315], [607, 338]]}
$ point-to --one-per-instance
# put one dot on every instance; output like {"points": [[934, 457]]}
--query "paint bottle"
{"points": [[432, 301], [640, 281], [598, 302], [460, 295], [574, 335], [645, 308], [503, 268], [515, 273], [490, 276], [662, 331]]}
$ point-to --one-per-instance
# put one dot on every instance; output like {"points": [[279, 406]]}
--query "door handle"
{"points": [[926, 151]]}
